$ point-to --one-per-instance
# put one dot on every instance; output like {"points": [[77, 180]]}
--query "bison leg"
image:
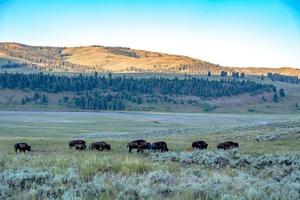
{"points": [[130, 149]]}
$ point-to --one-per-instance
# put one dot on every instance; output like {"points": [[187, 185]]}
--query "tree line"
{"points": [[284, 78], [96, 92], [13, 65]]}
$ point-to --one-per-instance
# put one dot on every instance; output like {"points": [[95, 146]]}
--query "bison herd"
{"points": [[140, 145], [81, 145]]}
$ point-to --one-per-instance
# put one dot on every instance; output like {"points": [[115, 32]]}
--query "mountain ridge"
{"points": [[119, 60]]}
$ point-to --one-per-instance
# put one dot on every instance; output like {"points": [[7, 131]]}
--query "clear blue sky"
{"points": [[227, 32]]}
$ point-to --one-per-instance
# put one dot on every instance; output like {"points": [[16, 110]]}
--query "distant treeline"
{"points": [[99, 92], [284, 78], [234, 74], [13, 65]]}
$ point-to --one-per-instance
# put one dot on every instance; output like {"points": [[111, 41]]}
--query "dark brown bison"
{"points": [[199, 145], [162, 146], [75, 142], [140, 145], [228, 145], [22, 147], [80, 146], [100, 146]]}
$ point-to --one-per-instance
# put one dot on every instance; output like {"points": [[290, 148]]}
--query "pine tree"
{"points": [[242, 75], [275, 98], [223, 73], [23, 101], [44, 99], [281, 93]]}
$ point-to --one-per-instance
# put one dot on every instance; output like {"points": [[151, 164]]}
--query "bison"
{"points": [[100, 146], [140, 145], [199, 145], [76, 142], [162, 146], [228, 145], [80, 146], [22, 147]]}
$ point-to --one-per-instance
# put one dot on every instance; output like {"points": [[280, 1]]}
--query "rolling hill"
{"points": [[117, 59]]}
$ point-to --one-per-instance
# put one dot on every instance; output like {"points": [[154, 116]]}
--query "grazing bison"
{"points": [[199, 145], [140, 145], [162, 146], [100, 146], [80, 146], [22, 147], [75, 142], [228, 145]]}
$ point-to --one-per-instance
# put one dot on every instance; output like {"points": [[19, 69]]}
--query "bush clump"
{"points": [[203, 175], [221, 159]]}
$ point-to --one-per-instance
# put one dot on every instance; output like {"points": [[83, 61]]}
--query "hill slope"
{"points": [[117, 59]]}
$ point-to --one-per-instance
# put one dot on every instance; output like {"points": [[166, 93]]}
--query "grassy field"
{"points": [[52, 170], [126, 126]]}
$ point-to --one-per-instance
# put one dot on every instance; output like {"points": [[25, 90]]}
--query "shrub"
{"points": [[23, 179], [269, 160], [220, 159], [69, 179], [128, 194], [203, 175]]}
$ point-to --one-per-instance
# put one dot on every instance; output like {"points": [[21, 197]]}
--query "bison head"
{"points": [[148, 145]]}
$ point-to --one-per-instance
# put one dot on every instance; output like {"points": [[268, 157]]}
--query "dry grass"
{"points": [[106, 60], [118, 59]]}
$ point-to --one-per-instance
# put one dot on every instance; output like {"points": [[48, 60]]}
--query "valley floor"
{"points": [[265, 166]]}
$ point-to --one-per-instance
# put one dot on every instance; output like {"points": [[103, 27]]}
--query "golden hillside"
{"points": [[117, 59]]}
